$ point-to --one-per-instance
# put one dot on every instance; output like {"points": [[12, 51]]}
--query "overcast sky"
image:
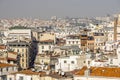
{"points": [[61, 8]]}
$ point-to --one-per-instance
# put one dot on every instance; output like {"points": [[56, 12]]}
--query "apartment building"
{"points": [[73, 40], [90, 43], [45, 46], [99, 40], [70, 63], [47, 36], [7, 56], [6, 69], [117, 28], [118, 55], [42, 62], [23, 49], [46, 42], [18, 33], [84, 39]]}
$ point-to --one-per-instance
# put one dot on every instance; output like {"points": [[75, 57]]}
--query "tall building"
{"points": [[23, 50], [117, 28]]}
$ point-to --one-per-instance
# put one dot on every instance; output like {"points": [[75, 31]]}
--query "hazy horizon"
{"points": [[61, 8]]}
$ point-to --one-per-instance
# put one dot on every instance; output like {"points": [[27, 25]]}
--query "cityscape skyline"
{"points": [[59, 40], [61, 8]]}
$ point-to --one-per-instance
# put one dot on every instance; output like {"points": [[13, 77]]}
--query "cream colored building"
{"points": [[99, 40], [47, 36], [117, 28], [7, 56], [6, 69], [18, 33], [23, 50], [45, 46], [46, 42], [42, 62]]}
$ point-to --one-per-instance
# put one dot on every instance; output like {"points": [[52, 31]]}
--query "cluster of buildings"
{"points": [[29, 22], [77, 49]]}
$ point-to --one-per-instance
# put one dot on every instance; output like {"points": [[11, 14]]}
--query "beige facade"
{"points": [[83, 42], [90, 43], [47, 36], [12, 55], [44, 46], [6, 69], [117, 28], [35, 34], [99, 40], [42, 60], [22, 48]]}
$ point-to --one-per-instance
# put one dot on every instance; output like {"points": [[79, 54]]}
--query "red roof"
{"points": [[100, 71]]}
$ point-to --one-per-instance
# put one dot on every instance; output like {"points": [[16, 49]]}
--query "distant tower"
{"points": [[117, 28]]}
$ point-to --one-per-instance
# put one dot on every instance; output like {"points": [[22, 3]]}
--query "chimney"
{"points": [[62, 73], [18, 38], [87, 72], [47, 72]]}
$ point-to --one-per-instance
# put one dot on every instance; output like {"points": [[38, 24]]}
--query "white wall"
{"points": [[46, 48], [118, 54], [25, 77], [68, 66]]}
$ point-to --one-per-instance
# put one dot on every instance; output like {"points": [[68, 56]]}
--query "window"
{"points": [[22, 60], [111, 61], [22, 54], [42, 50], [6, 68], [84, 62], [20, 78], [26, 50], [76, 42], [69, 42], [10, 78], [17, 50], [12, 68], [42, 47], [73, 42], [22, 50], [65, 61], [72, 62], [49, 47], [1, 70]]}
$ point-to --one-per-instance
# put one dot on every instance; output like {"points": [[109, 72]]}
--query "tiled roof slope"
{"points": [[100, 71]]}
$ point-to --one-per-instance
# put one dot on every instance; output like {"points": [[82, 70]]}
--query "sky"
{"points": [[60, 8]]}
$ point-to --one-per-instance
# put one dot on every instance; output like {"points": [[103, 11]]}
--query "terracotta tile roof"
{"points": [[2, 58], [12, 53], [2, 47], [2, 65], [30, 72], [13, 59], [100, 71], [81, 71], [47, 40], [55, 75]]}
